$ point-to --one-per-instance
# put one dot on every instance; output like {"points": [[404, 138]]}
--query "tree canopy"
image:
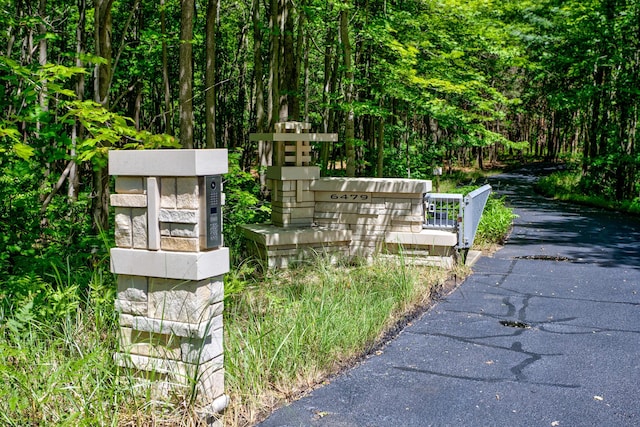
{"points": [[407, 85]]}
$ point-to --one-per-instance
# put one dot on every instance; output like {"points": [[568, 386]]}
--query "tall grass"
{"points": [[289, 332], [567, 186], [58, 369], [495, 223], [57, 366], [285, 331]]}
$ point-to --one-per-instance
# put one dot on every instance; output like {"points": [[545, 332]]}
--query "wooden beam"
{"points": [[294, 137]]}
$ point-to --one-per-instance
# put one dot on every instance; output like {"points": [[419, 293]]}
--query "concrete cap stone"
{"points": [[372, 185], [284, 173], [271, 235], [170, 265], [168, 162], [424, 238]]}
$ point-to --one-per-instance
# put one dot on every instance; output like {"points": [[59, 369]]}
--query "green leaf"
{"points": [[23, 151], [11, 133]]}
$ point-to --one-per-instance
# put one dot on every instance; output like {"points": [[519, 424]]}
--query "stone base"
{"points": [[447, 262], [281, 247], [166, 377]]}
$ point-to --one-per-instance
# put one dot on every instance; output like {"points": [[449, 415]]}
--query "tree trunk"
{"points": [[349, 127], [380, 149], [42, 54], [238, 121], [168, 110], [326, 94], [591, 145], [104, 50], [290, 77], [273, 101], [213, 13], [43, 97], [480, 157], [77, 130], [306, 80], [102, 81], [186, 74], [301, 55], [264, 147]]}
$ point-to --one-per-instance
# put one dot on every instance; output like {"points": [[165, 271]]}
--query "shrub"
{"points": [[495, 222]]}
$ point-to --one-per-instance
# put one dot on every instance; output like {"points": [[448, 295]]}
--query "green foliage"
{"points": [[572, 186], [496, 221], [583, 80], [57, 366], [107, 130], [241, 276], [243, 204], [565, 182], [431, 57], [296, 326], [42, 231]]}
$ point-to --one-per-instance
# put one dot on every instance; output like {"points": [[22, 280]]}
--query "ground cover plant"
{"points": [[407, 86], [571, 185], [292, 329], [495, 222], [288, 331]]}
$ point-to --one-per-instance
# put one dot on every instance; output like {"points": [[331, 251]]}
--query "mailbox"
{"points": [[213, 211]]}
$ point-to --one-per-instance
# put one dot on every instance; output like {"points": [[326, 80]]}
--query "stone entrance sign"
{"points": [[170, 264], [340, 217]]}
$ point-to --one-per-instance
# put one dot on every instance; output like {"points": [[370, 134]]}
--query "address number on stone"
{"points": [[349, 197]]}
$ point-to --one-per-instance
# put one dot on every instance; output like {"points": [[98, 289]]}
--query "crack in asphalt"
{"points": [[517, 370], [486, 380], [517, 310], [515, 291]]}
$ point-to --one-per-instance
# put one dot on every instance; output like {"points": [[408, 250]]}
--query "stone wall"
{"points": [[370, 208], [345, 217]]}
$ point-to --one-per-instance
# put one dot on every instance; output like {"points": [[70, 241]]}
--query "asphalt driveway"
{"points": [[544, 333]]}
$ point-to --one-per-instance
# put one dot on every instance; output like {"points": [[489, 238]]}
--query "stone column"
{"points": [[292, 173], [170, 281]]}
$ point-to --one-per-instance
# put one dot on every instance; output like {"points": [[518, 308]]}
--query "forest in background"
{"points": [[407, 85]]}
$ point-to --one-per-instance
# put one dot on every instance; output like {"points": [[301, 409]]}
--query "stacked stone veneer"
{"points": [[292, 201], [346, 217], [170, 285], [379, 213], [290, 177]]}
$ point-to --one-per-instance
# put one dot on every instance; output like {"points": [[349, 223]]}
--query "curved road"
{"points": [[544, 333]]}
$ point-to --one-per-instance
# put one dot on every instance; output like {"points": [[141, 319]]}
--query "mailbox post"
{"points": [[170, 261]]}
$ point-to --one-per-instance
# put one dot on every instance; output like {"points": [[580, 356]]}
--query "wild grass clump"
{"points": [[57, 369], [57, 366], [559, 184], [495, 223], [567, 186], [294, 328]]}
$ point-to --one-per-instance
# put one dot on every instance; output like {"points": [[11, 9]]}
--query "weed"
{"points": [[569, 186], [495, 223], [297, 327]]}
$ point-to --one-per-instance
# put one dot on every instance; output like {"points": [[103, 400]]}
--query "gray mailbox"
{"points": [[213, 212]]}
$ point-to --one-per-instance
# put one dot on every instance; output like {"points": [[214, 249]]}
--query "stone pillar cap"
{"points": [[173, 162]]}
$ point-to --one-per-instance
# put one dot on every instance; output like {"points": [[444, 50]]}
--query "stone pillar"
{"points": [[292, 202], [290, 177], [170, 279]]}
